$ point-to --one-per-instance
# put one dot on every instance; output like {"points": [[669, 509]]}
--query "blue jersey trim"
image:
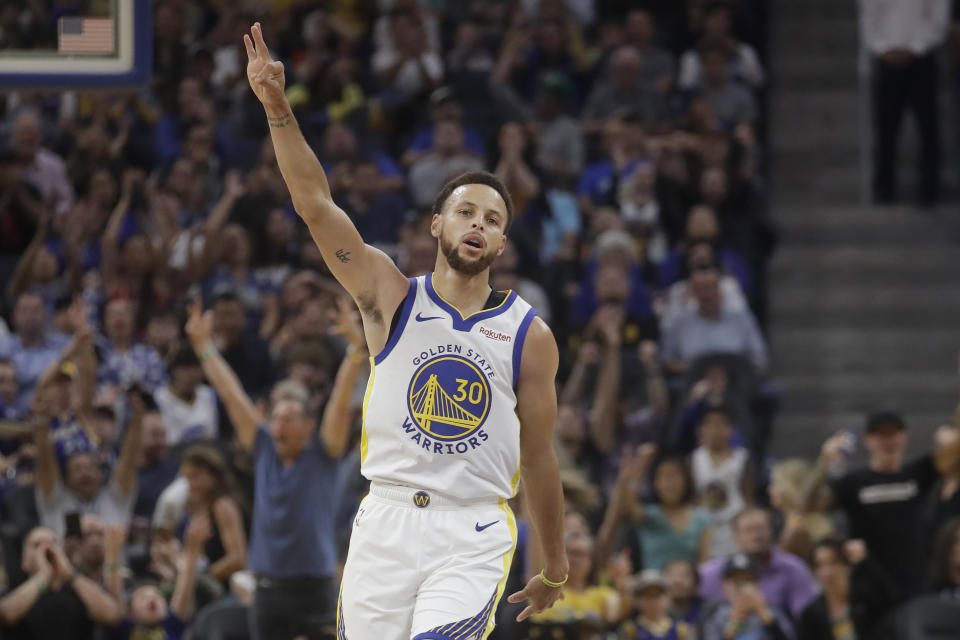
{"points": [[461, 323], [518, 343], [404, 316], [466, 629]]}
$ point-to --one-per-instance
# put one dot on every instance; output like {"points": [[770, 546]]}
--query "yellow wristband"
{"points": [[551, 583], [206, 353]]}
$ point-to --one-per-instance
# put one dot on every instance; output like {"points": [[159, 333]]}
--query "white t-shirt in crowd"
{"points": [[186, 422]]}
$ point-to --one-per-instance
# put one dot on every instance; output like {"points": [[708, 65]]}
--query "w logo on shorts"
{"points": [[421, 499]]}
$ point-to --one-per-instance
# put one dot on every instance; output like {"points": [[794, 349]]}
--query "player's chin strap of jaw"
{"points": [[550, 583]]}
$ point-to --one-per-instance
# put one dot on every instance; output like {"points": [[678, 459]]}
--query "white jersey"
{"points": [[440, 408]]}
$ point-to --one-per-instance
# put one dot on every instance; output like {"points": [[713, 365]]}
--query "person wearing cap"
{"points": [[652, 620], [782, 578], [744, 613], [80, 487], [884, 502]]}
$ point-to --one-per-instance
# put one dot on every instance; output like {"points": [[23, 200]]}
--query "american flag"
{"points": [[86, 35]]}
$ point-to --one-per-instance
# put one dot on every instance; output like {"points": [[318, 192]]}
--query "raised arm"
{"points": [[335, 426], [365, 272], [126, 469], [243, 415], [200, 265], [537, 410], [633, 464], [47, 473], [604, 415]]}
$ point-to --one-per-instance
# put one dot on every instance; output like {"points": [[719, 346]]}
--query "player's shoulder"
{"points": [[539, 334], [540, 354]]}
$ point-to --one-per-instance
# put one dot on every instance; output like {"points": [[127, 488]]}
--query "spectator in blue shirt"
{"points": [[292, 541], [32, 348], [625, 144], [125, 361]]}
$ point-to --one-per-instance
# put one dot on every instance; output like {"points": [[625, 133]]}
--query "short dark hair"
{"points": [[833, 543], [690, 489], [720, 409], [475, 177], [227, 294], [184, 357], [735, 523], [713, 47]]}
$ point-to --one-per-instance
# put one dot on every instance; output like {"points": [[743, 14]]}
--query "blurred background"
{"points": [[739, 217]]}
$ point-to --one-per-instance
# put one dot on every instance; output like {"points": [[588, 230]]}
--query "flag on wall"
{"points": [[85, 35]]}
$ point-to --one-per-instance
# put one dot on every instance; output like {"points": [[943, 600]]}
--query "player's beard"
{"points": [[467, 267]]}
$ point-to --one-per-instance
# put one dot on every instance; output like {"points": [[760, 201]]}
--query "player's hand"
{"points": [[264, 73], [541, 597]]}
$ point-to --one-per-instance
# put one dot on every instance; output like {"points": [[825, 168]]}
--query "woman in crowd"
{"points": [[670, 528], [801, 526], [856, 594], [212, 491]]}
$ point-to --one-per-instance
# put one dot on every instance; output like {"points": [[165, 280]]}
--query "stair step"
{"points": [[787, 12], [852, 347]]}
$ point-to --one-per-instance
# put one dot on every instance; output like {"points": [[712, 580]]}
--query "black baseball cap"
{"points": [[883, 420], [739, 563]]}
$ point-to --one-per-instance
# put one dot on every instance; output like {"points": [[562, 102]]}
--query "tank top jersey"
{"points": [[439, 412]]}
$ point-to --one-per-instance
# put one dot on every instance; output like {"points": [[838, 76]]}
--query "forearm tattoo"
{"points": [[343, 256], [279, 121]]}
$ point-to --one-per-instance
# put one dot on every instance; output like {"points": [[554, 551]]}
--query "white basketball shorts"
{"points": [[422, 567]]}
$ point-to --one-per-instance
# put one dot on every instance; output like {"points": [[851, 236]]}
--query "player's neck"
{"points": [[466, 293]]}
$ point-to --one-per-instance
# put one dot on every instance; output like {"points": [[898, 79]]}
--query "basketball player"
{"points": [[461, 390]]}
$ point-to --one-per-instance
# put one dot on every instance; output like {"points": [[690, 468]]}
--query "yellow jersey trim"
{"points": [[507, 559], [363, 421]]}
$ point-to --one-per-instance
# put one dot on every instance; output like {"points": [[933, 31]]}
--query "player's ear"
{"points": [[503, 244], [435, 226]]}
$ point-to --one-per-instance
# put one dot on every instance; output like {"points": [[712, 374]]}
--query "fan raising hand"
{"points": [[264, 73]]}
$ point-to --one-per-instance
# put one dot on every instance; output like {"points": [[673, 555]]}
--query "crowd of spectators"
{"points": [[181, 379]]}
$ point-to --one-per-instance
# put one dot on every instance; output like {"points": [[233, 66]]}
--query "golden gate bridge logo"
{"points": [[448, 398]]}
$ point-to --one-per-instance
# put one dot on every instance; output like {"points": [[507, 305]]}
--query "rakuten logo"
{"points": [[495, 335]]}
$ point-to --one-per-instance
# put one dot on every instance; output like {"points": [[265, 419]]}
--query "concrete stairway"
{"points": [[865, 301]]}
